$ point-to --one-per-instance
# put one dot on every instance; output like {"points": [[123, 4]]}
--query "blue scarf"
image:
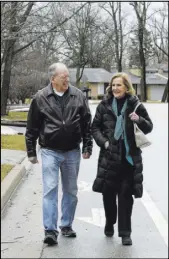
{"points": [[120, 129]]}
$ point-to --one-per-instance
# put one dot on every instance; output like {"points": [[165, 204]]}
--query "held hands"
{"points": [[33, 160], [86, 155], [134, 117]]}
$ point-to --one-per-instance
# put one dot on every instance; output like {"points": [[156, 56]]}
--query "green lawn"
{"points": [[5, 168], [21, 116], [13, 142]]}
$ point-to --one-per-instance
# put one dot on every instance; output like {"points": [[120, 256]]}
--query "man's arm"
{"points": [[32, 130]]}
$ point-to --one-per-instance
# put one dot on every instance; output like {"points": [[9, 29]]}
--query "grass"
{"points": [[149, 101], [28, 100], [5, 169], [20, 116], [16, 142]]}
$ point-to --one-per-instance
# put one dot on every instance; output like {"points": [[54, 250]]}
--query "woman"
{"points": [[120, 162]]}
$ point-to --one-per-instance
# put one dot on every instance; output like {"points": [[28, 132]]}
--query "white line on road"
{"points": [[156, 216], [97, 219]]}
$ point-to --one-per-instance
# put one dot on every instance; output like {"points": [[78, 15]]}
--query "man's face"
{"points": [[61, 80]]}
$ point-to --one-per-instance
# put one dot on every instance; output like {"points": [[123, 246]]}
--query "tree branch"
{"points": [[161, 49], [50, 30]]}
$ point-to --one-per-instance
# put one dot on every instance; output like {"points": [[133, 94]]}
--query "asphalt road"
{"points": [[21, 224]]}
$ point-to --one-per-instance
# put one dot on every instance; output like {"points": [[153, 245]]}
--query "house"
{"points": [[155, 86], [163, 70], [96, 79], [155, 82], [151, 70], [72, 74]]}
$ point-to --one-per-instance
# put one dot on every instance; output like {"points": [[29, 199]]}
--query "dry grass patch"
{"points": [[15, 142], [20, 116], [5, 169]]}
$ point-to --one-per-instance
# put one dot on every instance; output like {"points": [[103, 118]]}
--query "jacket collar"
{"points": [[132, 101], [72, 90]]}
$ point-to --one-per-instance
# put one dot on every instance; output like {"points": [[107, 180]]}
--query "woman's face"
{"points": [[118, 88]]}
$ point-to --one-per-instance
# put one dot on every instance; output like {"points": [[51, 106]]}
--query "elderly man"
{"points": [[60, 117]]}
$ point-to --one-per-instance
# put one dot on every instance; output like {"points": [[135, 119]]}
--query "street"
{"points": [[21, 224]]}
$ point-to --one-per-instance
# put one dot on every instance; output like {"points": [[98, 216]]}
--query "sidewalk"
{"points": [[12, 157], [19, 160], [22, 226]]}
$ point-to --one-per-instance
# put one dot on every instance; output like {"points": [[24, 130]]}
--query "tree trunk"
{"points": [[121, 39], [119, 66], [142, 64], [6, 76], [8, 57], [78, 77], [23, 100], [117, 43], [144, 80], [165, 94]]}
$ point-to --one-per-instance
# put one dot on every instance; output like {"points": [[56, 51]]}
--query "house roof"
{"points": [[152, 69], [163, 66], [96, 75], [163, 74], [155, 79], [72, 73], [133, 78], [151, 79], [156, 67], [93, 75], [165, 70]]}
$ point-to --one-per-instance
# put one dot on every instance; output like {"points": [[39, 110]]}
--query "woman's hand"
{"points": [[86, 155], [134, 117], [106, 144]]}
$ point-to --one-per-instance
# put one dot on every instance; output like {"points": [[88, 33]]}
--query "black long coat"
{"points": [[103, 127]]}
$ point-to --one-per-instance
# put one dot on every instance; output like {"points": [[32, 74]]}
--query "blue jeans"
{"points": [[68, 162]]}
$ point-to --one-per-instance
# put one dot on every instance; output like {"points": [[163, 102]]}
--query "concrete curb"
{"points": [[14, 123], [12, 180]]}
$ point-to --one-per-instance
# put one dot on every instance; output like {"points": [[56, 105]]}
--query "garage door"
{"points": [[155, 92]]}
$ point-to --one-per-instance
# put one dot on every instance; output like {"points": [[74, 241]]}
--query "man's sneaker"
{"points": [[126, 241], [68, 232], [51, 237], [109, 230]]}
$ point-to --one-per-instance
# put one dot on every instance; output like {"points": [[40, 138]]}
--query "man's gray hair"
{"points": [[55, 68]]}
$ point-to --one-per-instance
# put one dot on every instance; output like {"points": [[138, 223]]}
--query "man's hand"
{"points": [[33, 160], [86, 155]]}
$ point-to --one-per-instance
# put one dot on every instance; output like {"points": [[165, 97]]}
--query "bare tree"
{"points": [[159, 32], [15, 16], [77, 34], [115, 11], [141, 14], [9, 48], [160, 37]]}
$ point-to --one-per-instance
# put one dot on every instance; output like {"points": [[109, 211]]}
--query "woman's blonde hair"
{"points": [[126, 82]]}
